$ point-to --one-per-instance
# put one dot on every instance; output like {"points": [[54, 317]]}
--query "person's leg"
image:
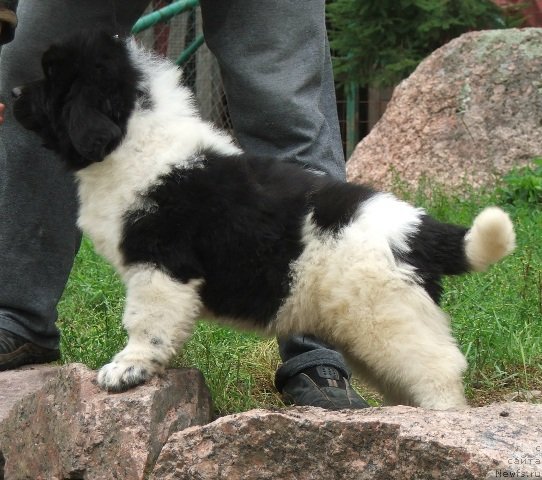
{"points": [[276, 67], [38, 236]]}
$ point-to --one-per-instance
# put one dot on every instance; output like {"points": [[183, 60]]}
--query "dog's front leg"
{"points": [[159, 316]]}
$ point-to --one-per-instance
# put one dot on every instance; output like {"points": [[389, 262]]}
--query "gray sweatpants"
{"points": [[276, 67]]}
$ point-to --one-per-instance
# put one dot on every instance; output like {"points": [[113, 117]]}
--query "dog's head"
{"points": [[81, 107]]}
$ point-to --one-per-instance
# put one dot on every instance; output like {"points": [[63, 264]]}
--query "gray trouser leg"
{"points": [[276, 67], [38, 237]]}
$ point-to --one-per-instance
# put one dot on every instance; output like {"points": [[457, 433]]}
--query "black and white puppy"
{"points": [[196, 227]]}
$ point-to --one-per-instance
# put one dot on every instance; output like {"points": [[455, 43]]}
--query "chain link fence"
{"points": [[200, 70]]}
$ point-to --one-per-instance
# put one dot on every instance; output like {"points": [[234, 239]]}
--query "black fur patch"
{"points": [[236, 222], [437, 249], [335, 203]]}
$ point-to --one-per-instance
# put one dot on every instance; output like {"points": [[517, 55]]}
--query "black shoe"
{"points": [[321, 386], [16, 351]]}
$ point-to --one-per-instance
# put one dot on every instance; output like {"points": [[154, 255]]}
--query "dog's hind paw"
{"points": [[119, 376]]}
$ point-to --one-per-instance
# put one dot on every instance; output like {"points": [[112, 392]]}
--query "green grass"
{"points": [[90, 311], [496, 317]]}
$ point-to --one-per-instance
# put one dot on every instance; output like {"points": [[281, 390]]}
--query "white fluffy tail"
{"points": [[490, 238]]}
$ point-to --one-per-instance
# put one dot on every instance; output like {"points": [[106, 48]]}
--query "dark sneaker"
{"points": [[16, 351], [321, 386]]}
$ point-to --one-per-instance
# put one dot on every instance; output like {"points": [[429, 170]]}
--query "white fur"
{"points": [[391, 219], [159, 316], [490, 238], [110, 188], [351, 291]]}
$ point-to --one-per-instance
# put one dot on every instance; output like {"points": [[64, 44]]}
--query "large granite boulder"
{"points": [[388, 443], [470, 111]]}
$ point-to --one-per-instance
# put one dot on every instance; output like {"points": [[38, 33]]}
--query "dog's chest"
{"points": [[103, 203], [101, 220]]}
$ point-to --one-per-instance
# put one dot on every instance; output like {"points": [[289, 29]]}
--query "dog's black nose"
{"points": [[16, 92]]}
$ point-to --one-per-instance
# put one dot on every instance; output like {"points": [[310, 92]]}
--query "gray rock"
{"points": [[70, 428], [388, 443], [470, 111]]}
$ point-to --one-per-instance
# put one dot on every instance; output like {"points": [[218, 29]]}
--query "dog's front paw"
{"points": [[119, 376]]}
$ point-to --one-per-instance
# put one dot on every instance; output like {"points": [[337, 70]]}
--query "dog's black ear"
{"points": [[91, 132]]}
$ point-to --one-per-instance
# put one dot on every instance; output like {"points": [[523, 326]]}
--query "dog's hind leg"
{"points": [[407, 351], [159, 316]]}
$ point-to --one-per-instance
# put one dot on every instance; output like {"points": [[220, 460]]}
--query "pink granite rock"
{"points": [[70, 428], [17, 384], [388, 443], [470, 111]]}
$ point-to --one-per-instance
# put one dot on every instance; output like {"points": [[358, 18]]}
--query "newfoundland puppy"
{"points": [[195, 227]]}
